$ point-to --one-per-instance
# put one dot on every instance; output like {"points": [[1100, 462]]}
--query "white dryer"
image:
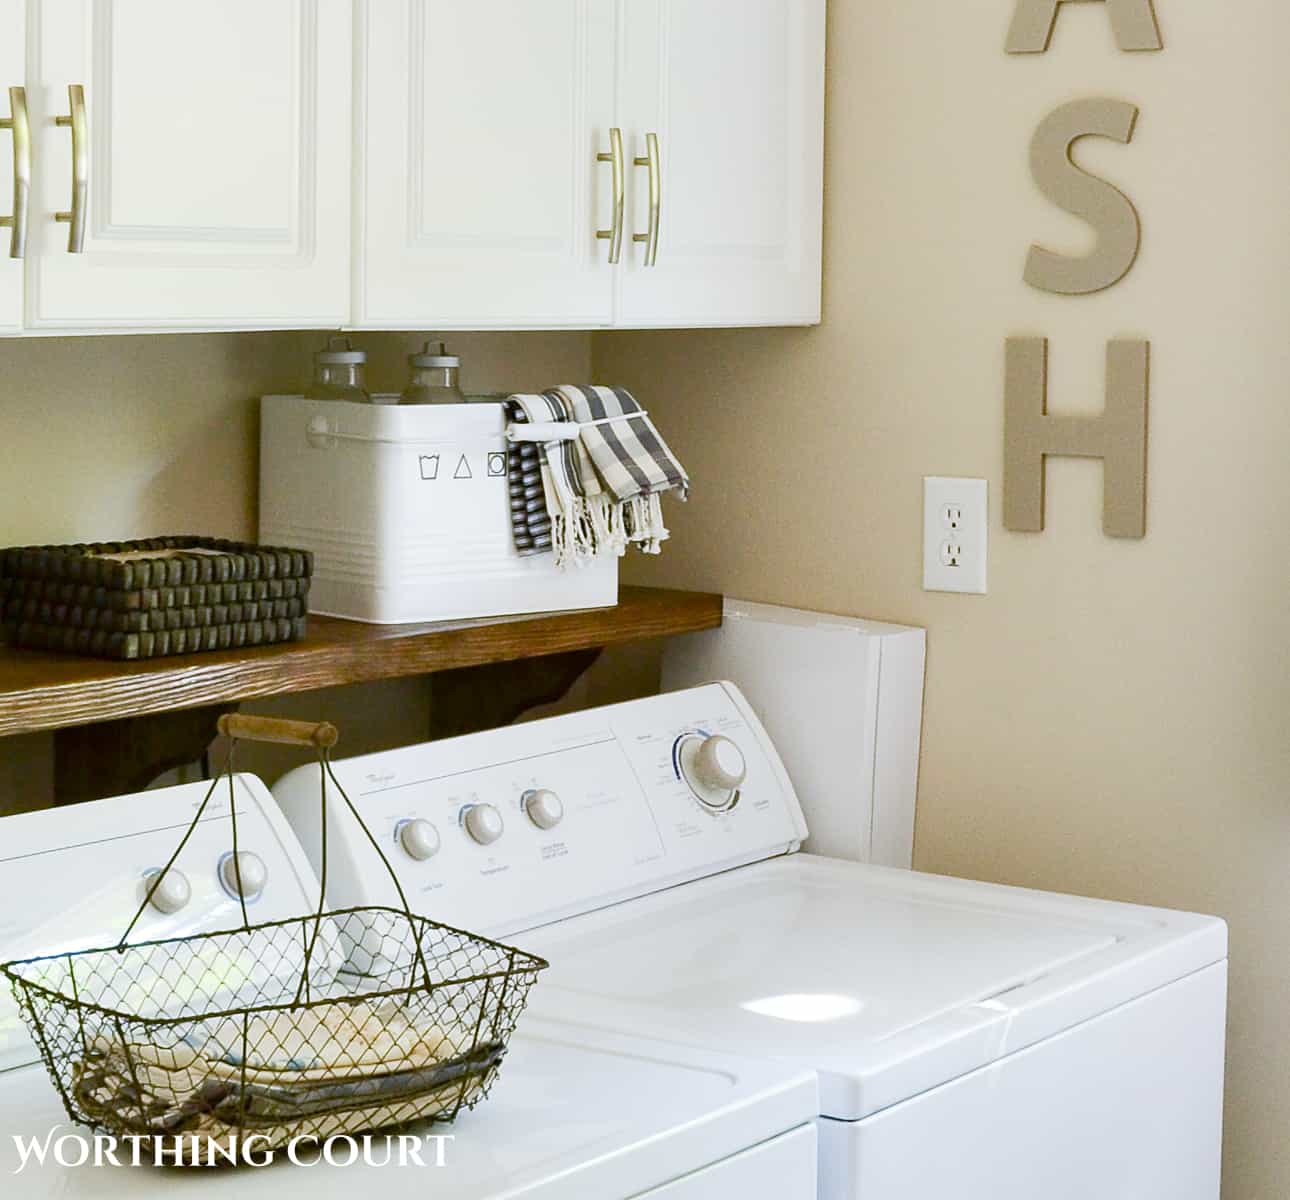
{"points": [[970, 1040], [574, 1115]]}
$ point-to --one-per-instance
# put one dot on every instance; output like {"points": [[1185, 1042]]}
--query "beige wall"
{"points": [[1114, 717], [105, 438]]}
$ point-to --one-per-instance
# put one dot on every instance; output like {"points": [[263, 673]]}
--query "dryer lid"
{"points": [[887, 982]]}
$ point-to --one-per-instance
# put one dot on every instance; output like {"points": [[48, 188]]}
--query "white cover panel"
{"points": [[843, 699]]}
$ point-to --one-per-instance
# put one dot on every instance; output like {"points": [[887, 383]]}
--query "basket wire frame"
{"points": [[342, 1021]]}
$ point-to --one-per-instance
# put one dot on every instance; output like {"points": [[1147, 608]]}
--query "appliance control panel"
{"points": [[507, 829], [72, 878]]}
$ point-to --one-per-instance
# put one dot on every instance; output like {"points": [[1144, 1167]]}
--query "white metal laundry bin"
{"points": [[406, 509]]}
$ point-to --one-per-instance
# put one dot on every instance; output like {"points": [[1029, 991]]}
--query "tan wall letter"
{"points": [[1069, 186], [1133, 21], [1118, 437]]}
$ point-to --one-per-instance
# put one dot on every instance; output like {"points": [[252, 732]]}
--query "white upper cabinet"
{"points": [[479, 125], [205, 165], [15, 162], [733, 91], [411, 164]]}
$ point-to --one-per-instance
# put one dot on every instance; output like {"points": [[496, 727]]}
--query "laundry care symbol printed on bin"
{"points": [[495, 466]]}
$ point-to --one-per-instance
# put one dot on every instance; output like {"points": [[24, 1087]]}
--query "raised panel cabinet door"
{"points": [[733, 91], [479, 128], [14, 162], [207, 159]]}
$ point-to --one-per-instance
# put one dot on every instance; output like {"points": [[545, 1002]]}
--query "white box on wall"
{"points": [[842, 699]]}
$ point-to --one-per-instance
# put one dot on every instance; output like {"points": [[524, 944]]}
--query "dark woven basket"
{"points": [[338, 1022], [153, 598]]}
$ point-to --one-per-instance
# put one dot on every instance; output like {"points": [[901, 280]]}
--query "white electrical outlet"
{"points": [[956, 522]]}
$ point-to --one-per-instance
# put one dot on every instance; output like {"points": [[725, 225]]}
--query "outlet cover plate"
{"points": [[956, 524]]}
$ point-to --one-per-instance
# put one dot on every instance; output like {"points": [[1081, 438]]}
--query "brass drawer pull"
{"points": [[20, 126], [77, 123], [653, 161], [614, 234]]}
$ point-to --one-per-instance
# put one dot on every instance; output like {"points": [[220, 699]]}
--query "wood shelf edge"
{"points": [[40, 693]]}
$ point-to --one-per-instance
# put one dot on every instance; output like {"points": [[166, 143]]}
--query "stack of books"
{"points": [[153, 598]]}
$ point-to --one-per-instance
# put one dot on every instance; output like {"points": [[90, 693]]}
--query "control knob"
{"points": [[172, 893], [719, 764], [714, 767], [544, 808], [419, 839], [484, 823], [250, 867]]}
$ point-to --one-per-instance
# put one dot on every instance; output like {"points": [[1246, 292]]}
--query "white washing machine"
{"points": [[574, 1115], [970, 1040]]}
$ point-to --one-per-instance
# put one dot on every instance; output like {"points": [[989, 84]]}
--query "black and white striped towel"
{"points": [[587, 468]]}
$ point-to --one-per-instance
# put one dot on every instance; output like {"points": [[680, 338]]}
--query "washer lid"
{"points": [[572, 1116], [887, 982]]}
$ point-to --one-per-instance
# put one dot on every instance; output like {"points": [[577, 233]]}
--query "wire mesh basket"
{"points": [[337, 1022]]}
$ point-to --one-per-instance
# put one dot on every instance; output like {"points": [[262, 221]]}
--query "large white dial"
{"points": [[172, 893], [484, 823], [419, 839], [544, 808], [719, 764], [714, 767], [250, 868]]}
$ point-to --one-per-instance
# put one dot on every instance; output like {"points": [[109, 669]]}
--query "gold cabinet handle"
{"points": [[80, 168], [18, 123], [655, 164], [614, 234]]}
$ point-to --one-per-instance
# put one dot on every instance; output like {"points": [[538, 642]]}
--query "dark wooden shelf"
{"points": [[40, 691]]}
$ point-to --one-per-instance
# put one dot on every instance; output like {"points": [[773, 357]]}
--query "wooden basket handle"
{"points": [[321, 735]]}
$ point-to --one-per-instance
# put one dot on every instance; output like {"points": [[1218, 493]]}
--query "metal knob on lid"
{"points": [[434, 357], [434, 375], [340, 373]]}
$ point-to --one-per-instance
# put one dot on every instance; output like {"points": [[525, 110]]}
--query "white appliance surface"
{"points": [[1126, 1106], [889, 982], [843, 700], [572, 1116], [940, 1014], [72, 878], [630, 823]]}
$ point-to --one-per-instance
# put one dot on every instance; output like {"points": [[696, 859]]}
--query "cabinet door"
{"points": [[734, 91], [217, 152], [479, 127], [12, 75]]}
